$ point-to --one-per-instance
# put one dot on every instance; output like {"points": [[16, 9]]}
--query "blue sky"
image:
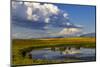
{"points": [[84, 15], [36, 20]]}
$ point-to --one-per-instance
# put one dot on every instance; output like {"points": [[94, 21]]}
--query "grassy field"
{"points": [[20, 47]]}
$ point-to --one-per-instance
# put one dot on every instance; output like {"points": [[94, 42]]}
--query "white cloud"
{"points": [[65, 32], [65, 15], [29, 13], [44, 11], [28, 4], [35, 17], [68, 23], [51, 8], [47, 20], [69, 31], [79, 25]]}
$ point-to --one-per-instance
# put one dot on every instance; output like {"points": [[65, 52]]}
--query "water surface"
{"points": [[64, 53]]}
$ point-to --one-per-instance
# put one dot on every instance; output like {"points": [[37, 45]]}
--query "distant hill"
{"points": [[88, 35]]}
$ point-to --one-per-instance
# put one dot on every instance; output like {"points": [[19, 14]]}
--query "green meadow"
{"points": [[20, 48]]}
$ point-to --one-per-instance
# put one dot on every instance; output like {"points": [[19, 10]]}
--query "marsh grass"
{"points": [[21, 47]]}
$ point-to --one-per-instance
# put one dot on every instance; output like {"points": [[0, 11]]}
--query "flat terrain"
{"points": [[23, 46]]}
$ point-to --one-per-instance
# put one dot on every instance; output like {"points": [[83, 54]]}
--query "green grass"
{"points": [[23, 46]]}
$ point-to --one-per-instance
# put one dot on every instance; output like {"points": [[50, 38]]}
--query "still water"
{"points": [[63, 53]]}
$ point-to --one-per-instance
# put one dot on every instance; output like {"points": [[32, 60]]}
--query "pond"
{"points": [[64, 53]]}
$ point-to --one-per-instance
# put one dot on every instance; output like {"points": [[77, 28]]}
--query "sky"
{"points": [[84, 15], [39, 20]]}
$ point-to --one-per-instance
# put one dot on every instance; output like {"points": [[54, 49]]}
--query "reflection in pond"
{"points": [[64, 53]]}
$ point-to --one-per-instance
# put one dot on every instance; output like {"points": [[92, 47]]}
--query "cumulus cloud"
{"points": [[29, 13], [47, 20], [68, 24], [65, 15], [69, 31], [35, 17], [66, 32], [27, 10], [43, 16], [43, 11], [51, 8]]}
